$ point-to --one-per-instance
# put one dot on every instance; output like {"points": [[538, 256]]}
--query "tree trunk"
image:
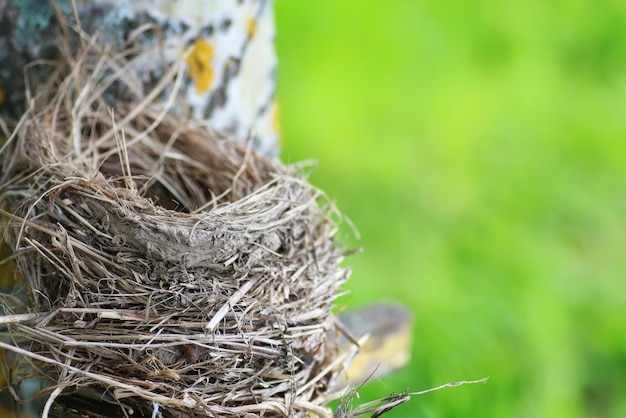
{"points": [[230, 80]]}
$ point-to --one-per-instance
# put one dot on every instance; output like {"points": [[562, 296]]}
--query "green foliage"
{"points": [[479, 147]]}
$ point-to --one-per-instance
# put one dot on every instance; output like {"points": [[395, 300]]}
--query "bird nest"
{"points": [[168, 270]]}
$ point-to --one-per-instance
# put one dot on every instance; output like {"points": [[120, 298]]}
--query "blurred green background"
{"points": [[480, 149]]}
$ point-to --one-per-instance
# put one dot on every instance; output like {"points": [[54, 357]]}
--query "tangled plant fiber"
{"points": [[169, 270]]}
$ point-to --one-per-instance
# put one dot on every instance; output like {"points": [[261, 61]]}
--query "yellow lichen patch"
{"points": [[275, 118], [251, 27], [9, 273], [10, 413], [200, 69], [5, 373], [2, 93]]}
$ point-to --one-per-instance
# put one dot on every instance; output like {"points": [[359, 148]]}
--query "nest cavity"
{"points": [[167, 268]]}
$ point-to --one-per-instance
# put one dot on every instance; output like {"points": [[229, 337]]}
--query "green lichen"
{"points": [[34, 18]]}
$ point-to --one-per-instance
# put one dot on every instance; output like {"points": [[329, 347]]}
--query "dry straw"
{"points": [[169, 271]]}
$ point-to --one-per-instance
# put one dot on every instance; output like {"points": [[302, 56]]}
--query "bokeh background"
{"points": [[479, 147]]}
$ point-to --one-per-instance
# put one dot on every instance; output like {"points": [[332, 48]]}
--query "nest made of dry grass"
{"points": [[166, 266]]}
